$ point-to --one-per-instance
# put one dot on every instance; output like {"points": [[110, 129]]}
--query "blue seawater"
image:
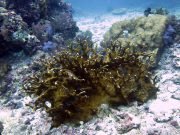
{"points": [[102, 6]]}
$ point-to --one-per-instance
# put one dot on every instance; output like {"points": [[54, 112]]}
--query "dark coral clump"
{"points": [[58, 12], [175, 23], [4, 69], [159, 11], [27, 25], [73, 83], [1, 127]]}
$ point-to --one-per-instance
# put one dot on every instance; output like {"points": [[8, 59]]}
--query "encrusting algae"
{"points": [[76, 81]]}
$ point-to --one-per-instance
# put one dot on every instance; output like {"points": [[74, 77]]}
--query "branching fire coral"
{"points": [[76, 81]]}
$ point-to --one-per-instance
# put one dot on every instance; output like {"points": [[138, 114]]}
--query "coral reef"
{"points": [[147, 12], [14, 34], [57, 12], [32, 11], [63, 23], [159, 11], [72, 84], [143, 33], [49, 46], [135, 119], [27, 25], [43, 30], [169, 35], [28, 10]]}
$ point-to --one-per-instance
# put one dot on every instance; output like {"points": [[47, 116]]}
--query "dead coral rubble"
{"points": [[73, 83]]}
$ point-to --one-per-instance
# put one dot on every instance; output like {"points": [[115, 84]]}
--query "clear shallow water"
{"points": [[103, 6]]}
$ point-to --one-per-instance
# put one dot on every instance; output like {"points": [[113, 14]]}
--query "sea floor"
{"points": [[99, 24], [159, 116]]}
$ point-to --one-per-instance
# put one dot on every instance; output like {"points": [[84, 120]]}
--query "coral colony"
{"points": [[73, 82], [76, 81]]}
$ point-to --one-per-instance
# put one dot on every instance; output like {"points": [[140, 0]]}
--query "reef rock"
{"points": [[63, 23], [144, 34], [4, 68], [58, 12], [25, 25], [14, 33]]}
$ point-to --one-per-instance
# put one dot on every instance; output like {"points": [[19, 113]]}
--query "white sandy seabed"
{"points": [[100, 24], [159, 116]]}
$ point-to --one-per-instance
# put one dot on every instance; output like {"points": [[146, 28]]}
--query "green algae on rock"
{"points": [[72, 84], [143, 33]]}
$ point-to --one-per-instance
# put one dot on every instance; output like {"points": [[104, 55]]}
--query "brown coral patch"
{"points": [[75, 82]]}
